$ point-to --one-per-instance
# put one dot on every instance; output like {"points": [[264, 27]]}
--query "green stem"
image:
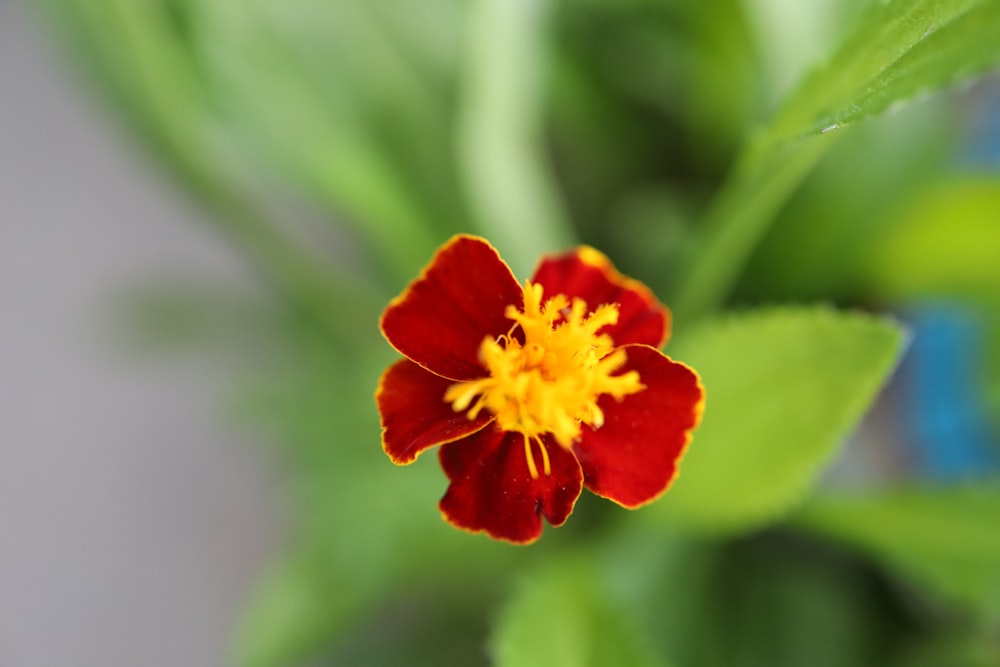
{"points": [[513, 194], [737, 219]]}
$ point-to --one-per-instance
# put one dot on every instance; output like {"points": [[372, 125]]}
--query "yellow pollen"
{"points": [[548, 379]]}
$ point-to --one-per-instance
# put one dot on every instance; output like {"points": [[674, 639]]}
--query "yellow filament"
{"points": [[531, 459], [546, 464], [532, 466]]}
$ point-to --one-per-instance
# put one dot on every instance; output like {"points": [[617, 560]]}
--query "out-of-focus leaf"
{"points": [[955, 649], [139, 54], [159, 317], [365, 528], [774, 600], [288, 614], [991, 392], [318, 92], [944, 242], [896, 50], [945, 538], [560, 614], [793, 36], [500, 138], [424, 621], [786, 605], [443, 622], [783, 388], [819, 246], [668, 584], [250, 102]]}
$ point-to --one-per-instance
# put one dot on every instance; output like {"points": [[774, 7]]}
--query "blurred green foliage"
{"points": [[944, 538], [706, 148]]}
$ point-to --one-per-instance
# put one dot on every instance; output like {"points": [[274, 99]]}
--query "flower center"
{"points": [[550, 383]]}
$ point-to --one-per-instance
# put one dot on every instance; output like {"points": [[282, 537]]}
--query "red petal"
{"points": [[492, 489], [458, 300], [633, 457], [589, 275], [414, 414]]}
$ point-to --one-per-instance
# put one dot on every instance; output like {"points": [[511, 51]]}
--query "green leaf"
{"points": [[946, 538], [945, 241], [560, 614], [897, 50], [783, 388]]}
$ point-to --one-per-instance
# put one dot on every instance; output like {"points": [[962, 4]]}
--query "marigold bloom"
{"points": [[534, 392]]}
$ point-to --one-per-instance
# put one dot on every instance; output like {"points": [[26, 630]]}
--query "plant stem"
{"points": [[513, 194], [737, 219]]}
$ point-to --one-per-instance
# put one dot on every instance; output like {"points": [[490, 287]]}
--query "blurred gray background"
{"points": [[133, 522]]}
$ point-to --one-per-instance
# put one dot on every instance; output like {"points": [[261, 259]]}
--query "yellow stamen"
{"points": [[531, 459], [550, 383], [546, 464]]}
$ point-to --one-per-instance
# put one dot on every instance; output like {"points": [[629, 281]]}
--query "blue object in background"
{"points": [[982, 123], [945, 419]]}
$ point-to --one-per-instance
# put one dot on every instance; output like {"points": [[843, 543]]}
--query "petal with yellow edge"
{"points": [[415, 416], [493, 490], [633, 457], [458, 300]]}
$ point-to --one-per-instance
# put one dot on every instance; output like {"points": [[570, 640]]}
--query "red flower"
{"points": [[534, 392]]}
